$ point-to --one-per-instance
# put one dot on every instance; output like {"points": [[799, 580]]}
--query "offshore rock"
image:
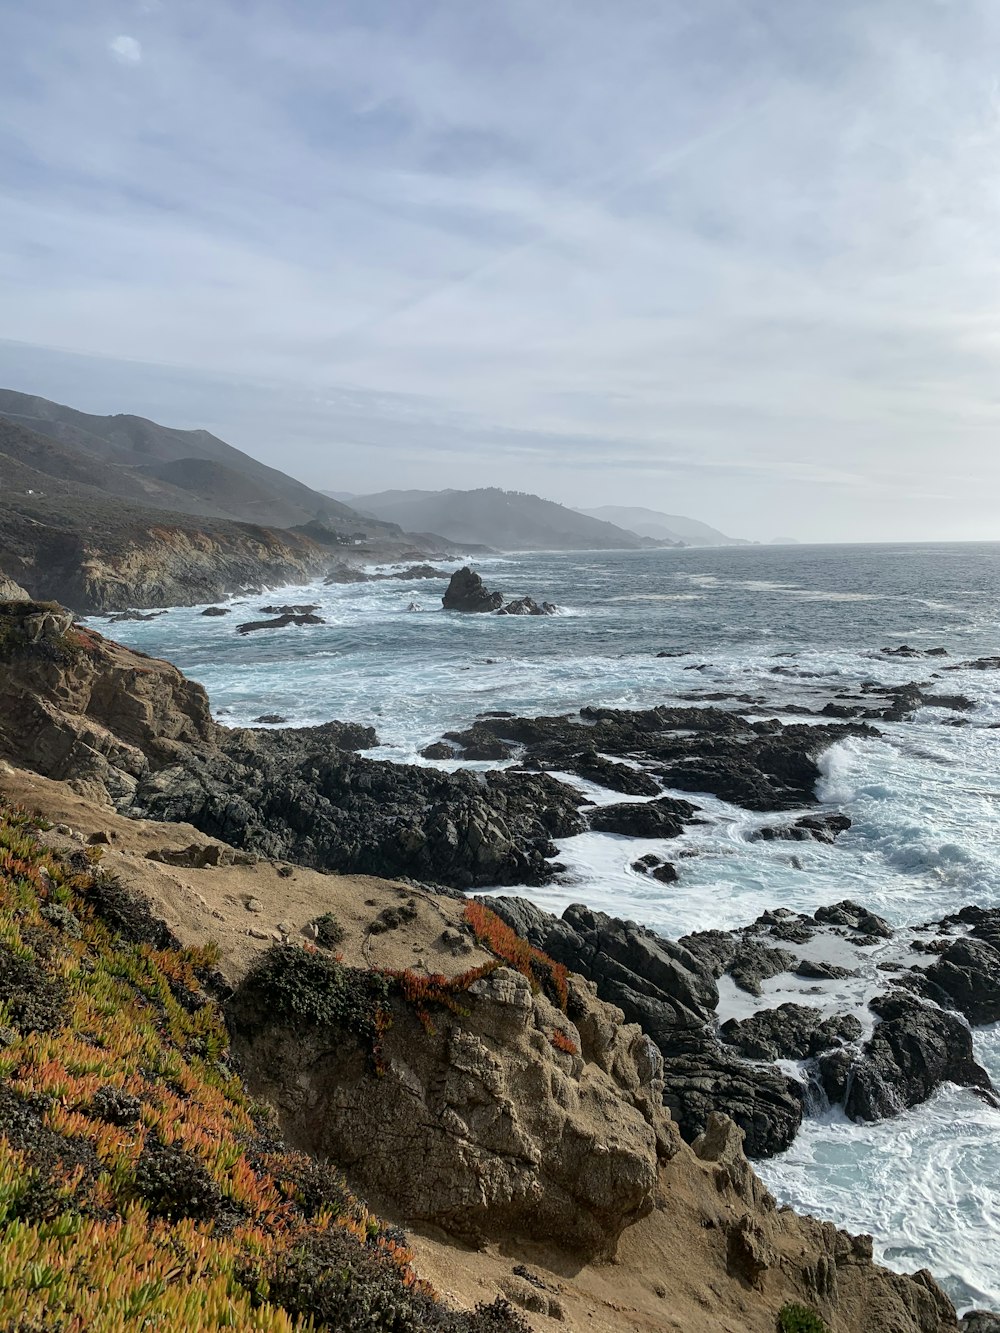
{"points": [[467, 592]]}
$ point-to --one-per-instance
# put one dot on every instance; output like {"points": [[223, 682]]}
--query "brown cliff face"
{"points": [[518, 1162]]}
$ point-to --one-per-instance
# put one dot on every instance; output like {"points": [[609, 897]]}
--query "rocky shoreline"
{"points": [[881, 1019]]}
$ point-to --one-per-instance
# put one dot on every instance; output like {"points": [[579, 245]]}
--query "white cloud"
{"points": [[126, 50]]}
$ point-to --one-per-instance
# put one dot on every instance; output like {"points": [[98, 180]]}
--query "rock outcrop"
{"points": [[762, 765], [509, 1121], [121, 725], [466, 592]]}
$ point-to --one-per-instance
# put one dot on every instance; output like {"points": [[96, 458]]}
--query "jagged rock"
{"points": [[855, 917], [753, 962], [134, 615], [819, 970], [439, 750], [216, 611], [270, 720], [306, 610], [479, 742], [661, 818], [904, 650], [789, 1032], [604, 772], [672, 994], [289, 618], [11, 591], [466, 592], [527, 606], [479, 1127], [968, 972], [657, 868], [911, 1053], [814, 828]]}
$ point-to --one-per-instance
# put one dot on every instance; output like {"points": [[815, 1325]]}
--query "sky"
{"points": [[736, 259]]}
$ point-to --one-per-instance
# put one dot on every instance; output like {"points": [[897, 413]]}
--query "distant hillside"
{"points": [[507, 520], [666, 527], [186, 471]]}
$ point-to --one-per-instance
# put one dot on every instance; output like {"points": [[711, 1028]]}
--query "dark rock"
{"points": [[855, 917], [466, 592], [216, 611], [789, 1032], [270, 719], [439, 750], [820, 971], [904, 650], [664, 871], [134, 615], [289, 610], [480, 743], [662, 818], [814, 828], [968, 971], [249, 626], [616, 777], [754, 962], [980, 664], [527, 606], [979, 1321], [912, 1052]]}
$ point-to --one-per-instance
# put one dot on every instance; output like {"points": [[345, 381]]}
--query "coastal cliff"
{"points": [[470, 1087]]}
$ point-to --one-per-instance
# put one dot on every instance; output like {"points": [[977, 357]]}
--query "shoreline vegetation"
{"points": [[280, 918]]}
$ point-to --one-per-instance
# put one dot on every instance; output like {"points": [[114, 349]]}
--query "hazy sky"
{"points": [[738, 259]]}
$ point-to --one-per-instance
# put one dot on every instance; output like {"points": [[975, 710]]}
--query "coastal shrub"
{"points": [[329, 931], [799, 1319], [140, 1185], [563, 1043], [296, 986], [421, 990], [542, 971]]}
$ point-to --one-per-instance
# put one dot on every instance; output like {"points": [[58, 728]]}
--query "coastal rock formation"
{"points": [[670, 989], [519, 1122], [9, 590], [279, 622], [704, 1247], [761, 765], [76, 706], [467, 592], [672, 995]]}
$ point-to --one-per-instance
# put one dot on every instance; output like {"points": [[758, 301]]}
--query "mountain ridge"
{"points": [[654, 523], [505, 519]]}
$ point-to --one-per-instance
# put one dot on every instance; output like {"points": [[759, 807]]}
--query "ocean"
{"points": [[786, 625]]}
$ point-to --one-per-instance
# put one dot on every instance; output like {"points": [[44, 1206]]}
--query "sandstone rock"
{"points": [[479, 1127]]}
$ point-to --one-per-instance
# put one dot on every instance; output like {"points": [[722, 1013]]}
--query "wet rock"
{"points": [[754, 962], [913, 1050], [527, 606], [818, 970], [594, 767], [904, 650], [855, 917], [307, 618], [270, 720], [467, 592], [653, 865], [216, 611], [810, 828], [968, 972], [481, 743], [789, 1032], [662, 818], [306, 610], [439, 750]]}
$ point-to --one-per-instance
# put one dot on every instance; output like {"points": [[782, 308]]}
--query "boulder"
{"points": [[467, 592], [662, 818], [216, 611], [913, 1050], [789, 1032], [810, 828], [476, 1123], [527, 606], [968, 972], [307, 618]]}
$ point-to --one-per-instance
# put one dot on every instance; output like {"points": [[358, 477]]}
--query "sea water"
{"points": [[787, 625]]}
